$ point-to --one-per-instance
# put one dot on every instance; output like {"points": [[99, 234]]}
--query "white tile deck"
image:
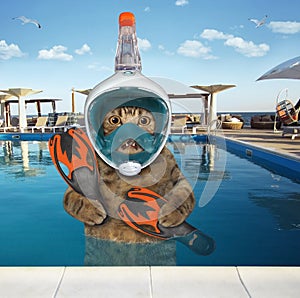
{"points": [[152, 282], [131, 282], [196, 282], [271, 281], [30, 282]]}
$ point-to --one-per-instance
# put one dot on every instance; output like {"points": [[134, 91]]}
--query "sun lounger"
{"points": [[41, 124], [179, 123], [79, 122], [291, 130], [13, 127], [60, 124], [200, 128], [9, 129]]}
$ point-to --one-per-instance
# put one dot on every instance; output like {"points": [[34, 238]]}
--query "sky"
{"points": [[193, 42]]}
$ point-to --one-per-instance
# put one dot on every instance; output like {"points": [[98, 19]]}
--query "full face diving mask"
{"points": [[128, 89]]}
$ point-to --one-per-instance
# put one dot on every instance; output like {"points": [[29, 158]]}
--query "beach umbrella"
{"points": [[84, 91], [20, 93], [213, 90], [289, 69]]}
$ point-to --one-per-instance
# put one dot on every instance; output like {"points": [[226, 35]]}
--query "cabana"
{"points": [[6, 110], [213, 90], [20, 93], [185, 100]]}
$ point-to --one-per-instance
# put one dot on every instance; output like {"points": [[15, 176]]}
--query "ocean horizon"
{"points": [[246, 116]]}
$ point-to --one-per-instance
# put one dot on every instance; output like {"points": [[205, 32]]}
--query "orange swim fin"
{"points": [[140, 211], [74, 157]]}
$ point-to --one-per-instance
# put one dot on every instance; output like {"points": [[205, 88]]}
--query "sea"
{"points": [[247, 115]]}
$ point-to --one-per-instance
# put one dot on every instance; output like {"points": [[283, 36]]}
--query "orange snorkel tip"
{"points": [[126, 19]]}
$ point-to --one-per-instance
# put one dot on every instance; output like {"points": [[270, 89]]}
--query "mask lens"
{"points": [[118, 147]]}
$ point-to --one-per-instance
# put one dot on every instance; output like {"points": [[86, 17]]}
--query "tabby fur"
{"points": [[162, 176]]}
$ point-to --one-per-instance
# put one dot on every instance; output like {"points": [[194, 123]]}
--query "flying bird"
{"points": [[27, 21], [257, 22]]}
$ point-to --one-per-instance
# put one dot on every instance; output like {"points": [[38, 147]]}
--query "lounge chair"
{"points": [[60, 124], [199, 128], [294, 131], [40, 124], [179, 123], [9, 129], [79, 122]]}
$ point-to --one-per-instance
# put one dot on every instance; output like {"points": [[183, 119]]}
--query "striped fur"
{"points": [[138, 116], [162, 176]]}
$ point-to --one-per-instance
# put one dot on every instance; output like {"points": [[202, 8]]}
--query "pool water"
{"points": [[252, 213]]}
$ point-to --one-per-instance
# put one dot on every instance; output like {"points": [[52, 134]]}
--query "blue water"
{"points": [[254, 218], [254, 215], [34, 228]]}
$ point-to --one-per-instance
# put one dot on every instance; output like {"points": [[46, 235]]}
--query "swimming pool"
{"points": [[253, 215]]}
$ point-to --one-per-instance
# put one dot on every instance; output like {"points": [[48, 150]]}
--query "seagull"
{"points": [[27, 21], [259, 23]]}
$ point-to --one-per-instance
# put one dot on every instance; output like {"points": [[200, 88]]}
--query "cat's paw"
{"points": [[85, 210], [169, 218], [92, 214]]}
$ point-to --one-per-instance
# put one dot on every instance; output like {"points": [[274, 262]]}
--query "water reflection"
{"points": [[203, 165], [100, 252], [213, 162], [201, 161], [24, 158], [285, 209]]}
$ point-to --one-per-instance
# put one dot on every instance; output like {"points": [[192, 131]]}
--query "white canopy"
{"points": [[20, 93]]}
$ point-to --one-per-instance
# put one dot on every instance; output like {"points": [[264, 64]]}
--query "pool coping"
{"points": [[284, 164], [19, 136], [153, 282]]}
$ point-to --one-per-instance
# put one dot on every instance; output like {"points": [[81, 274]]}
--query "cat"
{"points": [[162, 176]]}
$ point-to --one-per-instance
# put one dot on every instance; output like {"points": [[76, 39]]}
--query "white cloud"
{"points": [[246, 48], [9, 51], [212, 34], [195, 49], [284, 27], [85, 49], [56, 53], [147, 9], [181, 2], [163, 49], [144, 44]]}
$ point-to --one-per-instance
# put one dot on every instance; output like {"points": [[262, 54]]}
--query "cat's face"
{"points": [[120, 116]]}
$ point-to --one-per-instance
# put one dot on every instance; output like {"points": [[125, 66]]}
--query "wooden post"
{"points": [[73, 101]]}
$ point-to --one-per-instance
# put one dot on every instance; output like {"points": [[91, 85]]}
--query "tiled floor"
{"points": [[154, 282]]}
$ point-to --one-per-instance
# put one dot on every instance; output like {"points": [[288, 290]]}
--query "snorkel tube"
{"points": [[127, 88]]}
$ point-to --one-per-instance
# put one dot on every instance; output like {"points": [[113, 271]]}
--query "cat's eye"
{"points": [[144, 120], [114, 120]]}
